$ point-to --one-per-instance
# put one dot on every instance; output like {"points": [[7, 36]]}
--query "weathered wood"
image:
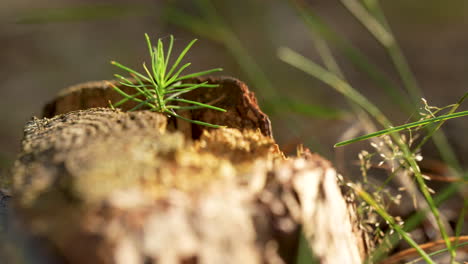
{"points": [[106, 186], [233, 95]]}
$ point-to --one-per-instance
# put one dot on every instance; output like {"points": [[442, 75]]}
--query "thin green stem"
{"points": [[425, 191], [381, 31], [383, 213], [390, 240], [454, 163], [437, 252], [291, 57], [369, 22], [403, 127], [360, 60]]}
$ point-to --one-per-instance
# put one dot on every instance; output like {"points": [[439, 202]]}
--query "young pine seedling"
{"points": [[161, 86]]}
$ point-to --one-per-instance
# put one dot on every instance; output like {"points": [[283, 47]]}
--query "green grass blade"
{"points": [[411, 85], [415, 93], [460, 222], [440, 251], [403, 127], [343, 87], [302, 63], [355, 56], [396, 54], [392, 239], [369, 22], [306, 108]]}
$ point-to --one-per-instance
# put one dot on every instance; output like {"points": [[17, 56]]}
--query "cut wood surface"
{"points": [[109, 186], [233, 95]]}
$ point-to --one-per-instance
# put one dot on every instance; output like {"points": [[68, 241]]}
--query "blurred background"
{"points": [[47, 45]]}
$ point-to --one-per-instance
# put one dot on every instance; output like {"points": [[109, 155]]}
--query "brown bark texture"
{"points": [[109, 186]]}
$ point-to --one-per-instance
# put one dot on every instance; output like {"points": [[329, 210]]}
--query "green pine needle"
{"points": [[160, 86]]}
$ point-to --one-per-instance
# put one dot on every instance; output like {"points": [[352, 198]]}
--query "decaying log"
{"points": [[109, 186]]}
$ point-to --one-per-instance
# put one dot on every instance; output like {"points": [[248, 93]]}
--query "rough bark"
{"points": [[233, 95], [108, 186]]}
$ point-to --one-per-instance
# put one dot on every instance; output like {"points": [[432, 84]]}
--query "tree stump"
{"points": [[109, 186]]}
